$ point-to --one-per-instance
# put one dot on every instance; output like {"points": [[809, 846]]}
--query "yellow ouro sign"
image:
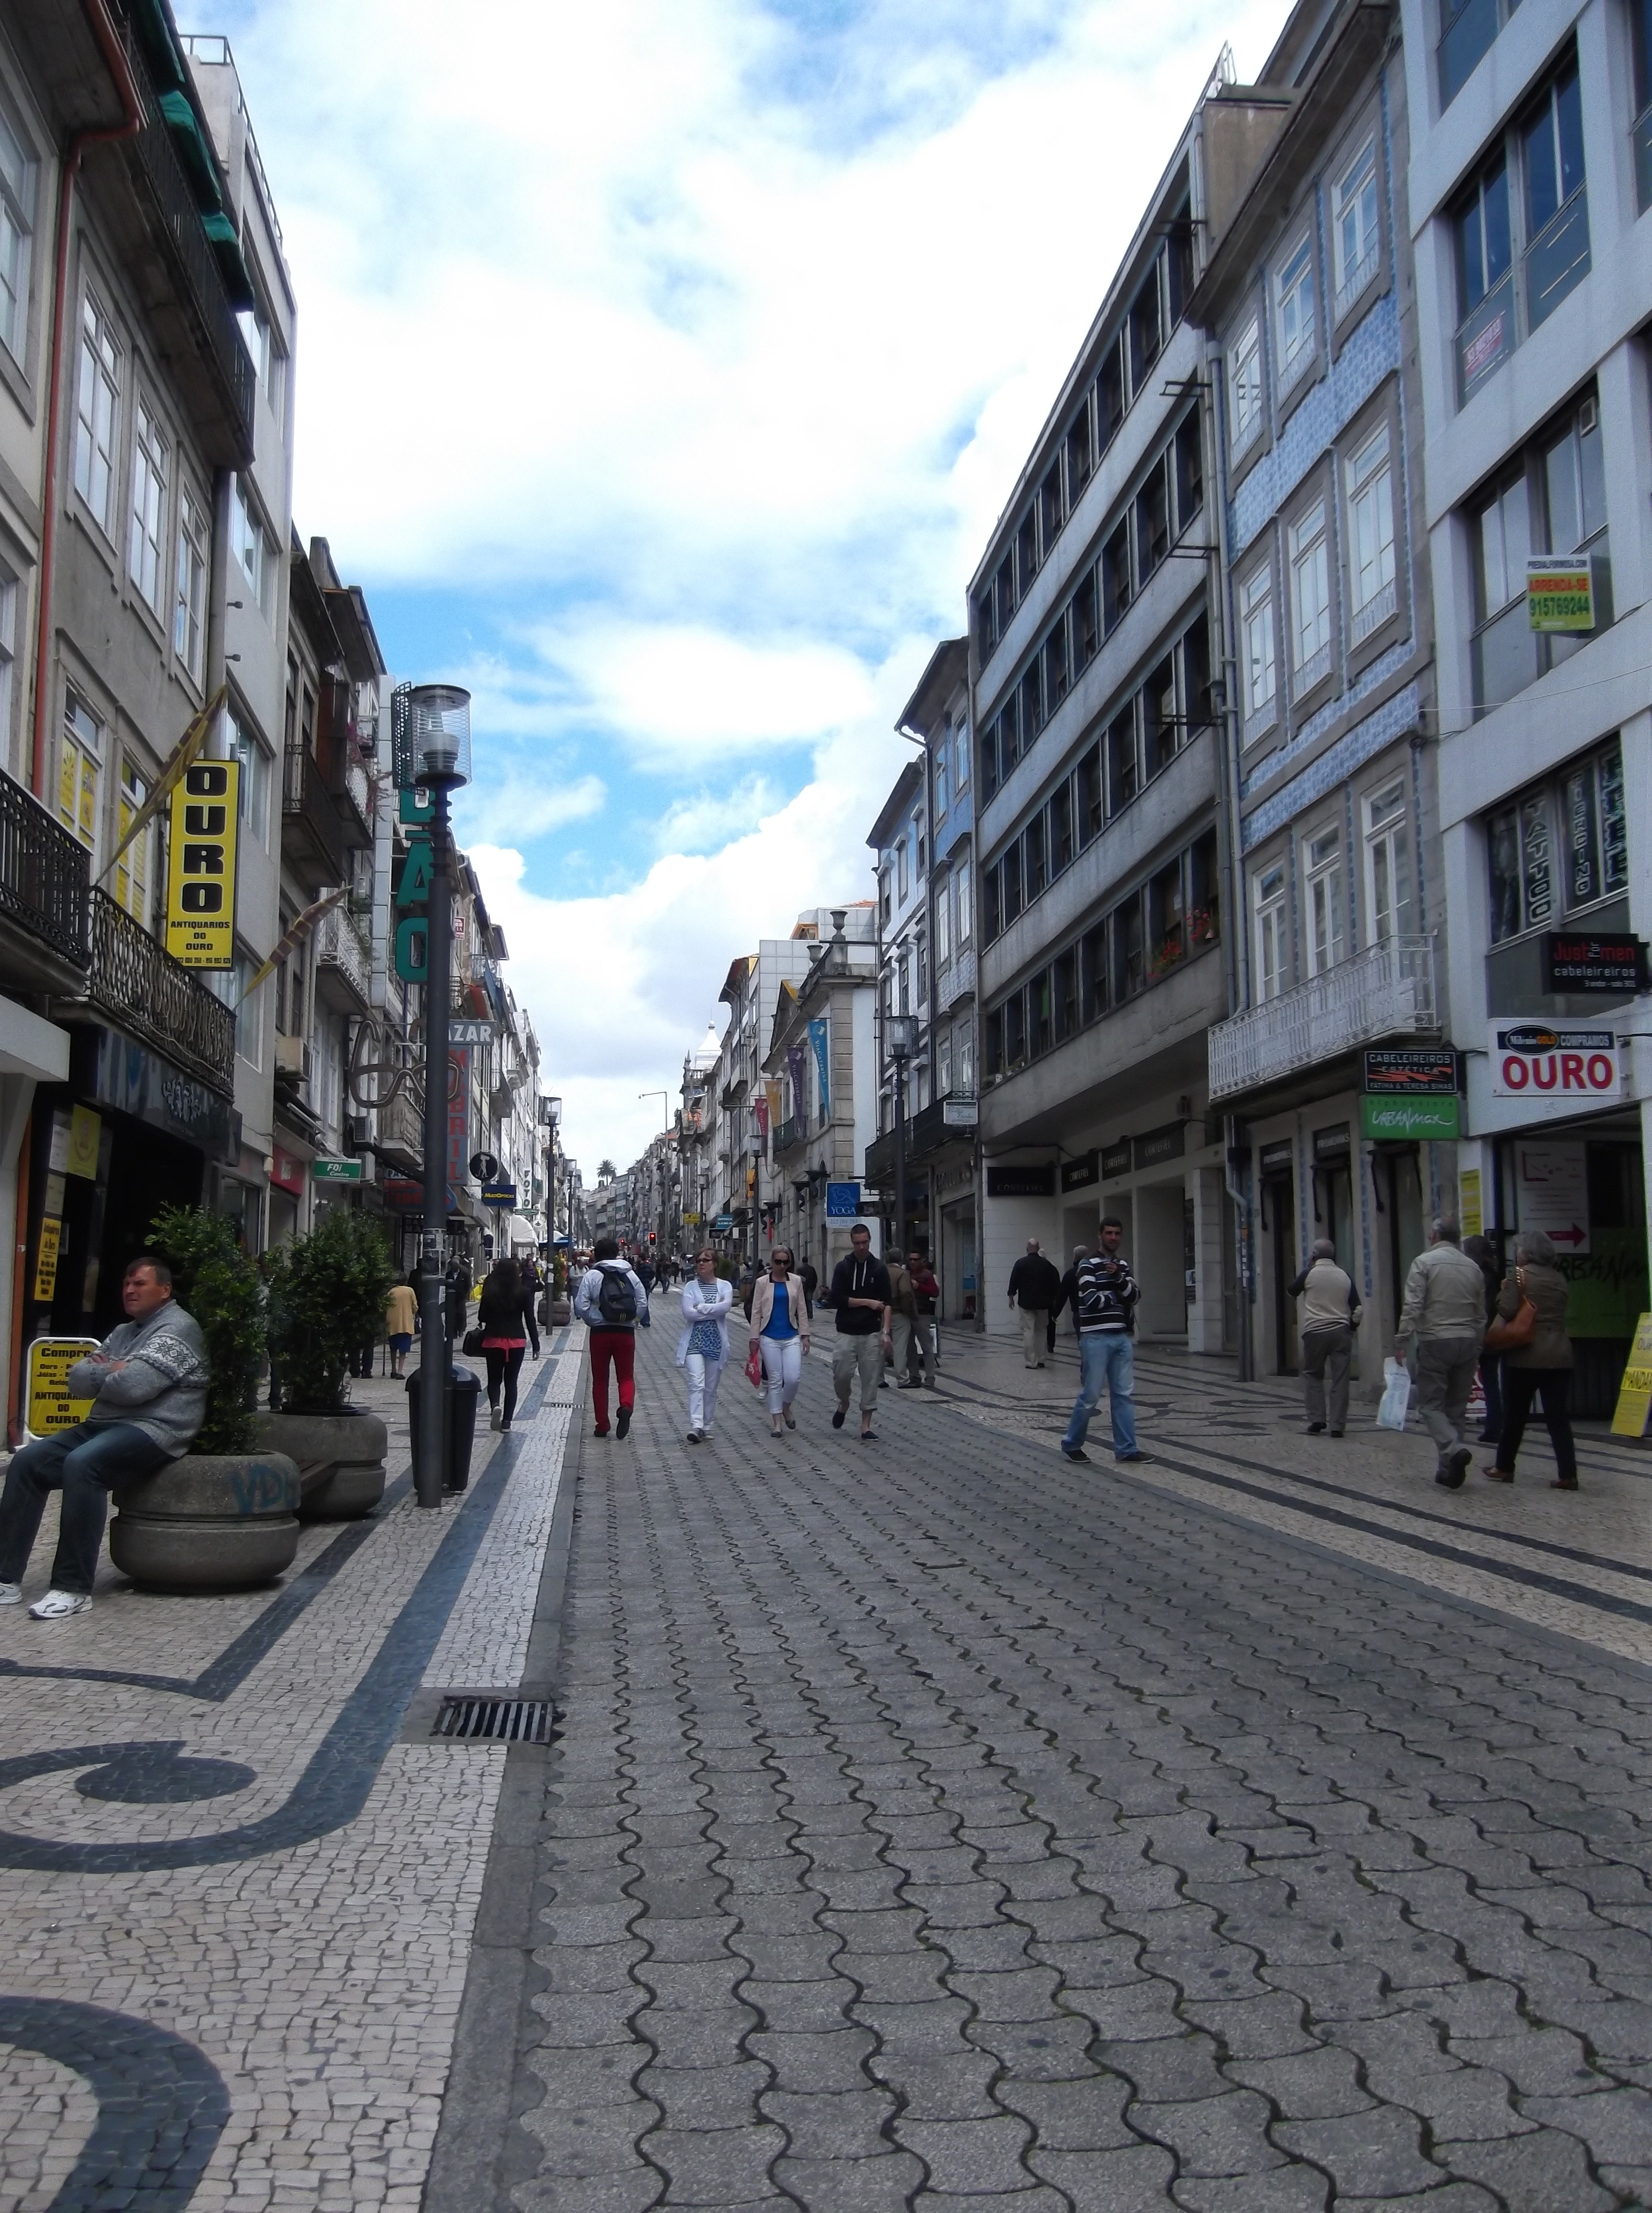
{"points": [[49, 1407], [1560, 595], [1635, 1393], [46, 1261], [201, 866]]}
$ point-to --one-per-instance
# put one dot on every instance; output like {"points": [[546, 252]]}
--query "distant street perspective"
{"points": [[826, 1340]]}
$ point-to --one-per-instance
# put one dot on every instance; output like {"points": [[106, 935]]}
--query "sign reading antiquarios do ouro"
{"points": [[201, 866]]}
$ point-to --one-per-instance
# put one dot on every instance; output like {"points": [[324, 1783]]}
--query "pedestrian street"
{"points": [[929, 1823]]}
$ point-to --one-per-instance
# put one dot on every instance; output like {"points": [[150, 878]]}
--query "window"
{"points": [[1388, 862], [1189, 466], [1009, 878], [1564, 845], [1640, 30], [1034, 860], [1166, 920], [1152, 521], [78, 771], [1485, 298], [943, 922], [97, 397], [960, 762], [1296, 295], [1557, 214], [1052, 509], [252, 546], [1355, 227], [1110, 395], [883, 894], [1467, 29], [901, 886], [1326, 900], [230, 984], [961, 880], [1027, 552], [8, 659], [1129, 950], [268, 359], [1256, 621], [244, 747], [1310, 595], [1115, 577], [1080, 454], [1195, 678], [1056, 671], [1204, 893], [1371, 533], [1124, 779], [1503, 545], [1094, 973], [149, 513], [903, 977], [17, 176], [132, 870], [1061, 830], [1091, 810], [943, 1064], [1146, 329], [938, 770], [1272, 934], [1160, 733], [1245, 384], [1551, 499], [189, 615], [1063, 992], [1086, 624], [964, 1056]]}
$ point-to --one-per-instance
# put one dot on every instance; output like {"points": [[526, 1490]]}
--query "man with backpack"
{"points": [[611, 1301], [1104, 1306]]}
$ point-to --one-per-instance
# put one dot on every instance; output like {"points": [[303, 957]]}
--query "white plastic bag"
{"points": [[1396, 1395]]}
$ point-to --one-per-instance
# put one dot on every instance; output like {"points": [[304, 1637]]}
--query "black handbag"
{"points": [[472, 1347]]}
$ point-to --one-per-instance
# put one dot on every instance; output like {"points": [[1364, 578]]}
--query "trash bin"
{"points": [[464, 1388]]}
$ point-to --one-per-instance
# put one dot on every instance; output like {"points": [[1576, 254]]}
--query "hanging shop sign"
{"points": [[1086, 1169], [1115, 1159], [1560, 595], [201, 865], [1548, 1067], [1335, 1144], [49, 1410], [465, 1029], [1279, 1157], [1407, 1121], [1412, 1071], [960, 1113], [1168, 1144], [288, 1173], [1022, 1183], [842, 1201], [499, 1194], [1613, 966], [336, 1171], [724, 1221]]}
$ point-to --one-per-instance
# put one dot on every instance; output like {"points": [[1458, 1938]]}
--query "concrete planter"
{"points": [[340, 1460], [211, 1522], [561, 1313]]}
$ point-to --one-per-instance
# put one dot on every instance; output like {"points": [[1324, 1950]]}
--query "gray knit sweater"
{"points": [[161, 1389]]}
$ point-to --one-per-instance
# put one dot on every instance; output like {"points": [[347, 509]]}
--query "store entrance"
{"points": [[1398, 1175], [1279, 1220]]}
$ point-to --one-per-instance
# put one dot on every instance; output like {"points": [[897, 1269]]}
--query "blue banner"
{"points": [[817, 1037]]}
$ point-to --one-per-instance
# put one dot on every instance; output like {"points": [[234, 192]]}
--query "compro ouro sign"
{"points": [[1547, 1066]]}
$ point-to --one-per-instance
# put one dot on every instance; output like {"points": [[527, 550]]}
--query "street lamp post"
{"points": [[439, 746], [553, 1115], [902, 1038]]}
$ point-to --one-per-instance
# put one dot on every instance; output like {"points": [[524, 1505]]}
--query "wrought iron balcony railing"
{"points": [[1386, 991], [138, 985], [44, 875]]}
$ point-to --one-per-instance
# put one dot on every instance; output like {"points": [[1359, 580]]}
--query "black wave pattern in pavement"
{"points": [[342, 1770], [162, 2104]]}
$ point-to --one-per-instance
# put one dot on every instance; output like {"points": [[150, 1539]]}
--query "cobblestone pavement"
{"points": [[238, 1881], [937, 1824]]}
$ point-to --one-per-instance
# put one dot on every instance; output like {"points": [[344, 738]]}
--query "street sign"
{"points": [[498, 1193], [842, 1201], [336, 1171], [1614, 967], [484, 1167], [1401, 1120], [48, 1406], [1547, 1066], [1413, 1072], [463, 1029]]}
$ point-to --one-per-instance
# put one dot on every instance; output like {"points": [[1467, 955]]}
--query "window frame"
{"points": [[1362, 169], [1259, 715], [1358, 473], [1246, 347], [20, 196], [99, 359], [148, 504], [1309, 538], [1295, 363]]}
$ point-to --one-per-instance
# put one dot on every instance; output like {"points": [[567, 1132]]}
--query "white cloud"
{"points": [[519, 804], [702, 820]]}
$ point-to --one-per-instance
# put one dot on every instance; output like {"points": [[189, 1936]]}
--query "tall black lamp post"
{"points": [[553, 1117], [900, 1034], [439, 758]]}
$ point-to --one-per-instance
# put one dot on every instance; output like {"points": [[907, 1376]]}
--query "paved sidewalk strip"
{"points": [[937, 1825]]}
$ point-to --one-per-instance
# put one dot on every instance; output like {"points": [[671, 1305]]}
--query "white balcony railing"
{"points": [[1388, 990], [340, 943]]}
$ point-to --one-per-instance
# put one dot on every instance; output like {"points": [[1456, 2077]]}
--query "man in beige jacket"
{"points": [[1326, 1319], [1445, 1312]]}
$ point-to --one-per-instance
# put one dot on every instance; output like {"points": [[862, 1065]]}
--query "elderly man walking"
{"points": [[1327, 1318], [147, 1382], [1445, 1312], [1035, 1287]]}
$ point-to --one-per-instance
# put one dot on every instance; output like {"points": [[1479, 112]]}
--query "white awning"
{"points": [[522, 1232]]}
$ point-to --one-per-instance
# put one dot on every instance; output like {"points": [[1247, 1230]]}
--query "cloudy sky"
{"points": [[662, 367]]}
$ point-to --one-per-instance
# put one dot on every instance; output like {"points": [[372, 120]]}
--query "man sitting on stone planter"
{"points": [[147, 1384]]}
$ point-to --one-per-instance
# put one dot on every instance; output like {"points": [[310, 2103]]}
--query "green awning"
{"points": [[200, 165], [231, 265]]}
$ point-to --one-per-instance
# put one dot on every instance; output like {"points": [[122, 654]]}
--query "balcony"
{"points": [[1557, 258], [947, 1121], [791, 1132], [1386, 991], [314, 839], [344, 964], [44, 878], [401, 1127], [145, 992]]}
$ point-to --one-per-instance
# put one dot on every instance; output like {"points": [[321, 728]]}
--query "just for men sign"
{"points": [[201, 866]]}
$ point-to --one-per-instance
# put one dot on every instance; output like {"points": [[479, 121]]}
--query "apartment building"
{"points": [[822, 1064], [1309, 300], [129, 406], [899, 840], [1094, 624], [1530, 173]]}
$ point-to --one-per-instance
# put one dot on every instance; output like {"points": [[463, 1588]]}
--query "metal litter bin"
{"points": [[464, 1388]]}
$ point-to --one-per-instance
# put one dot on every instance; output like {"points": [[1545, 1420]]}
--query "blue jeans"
{"points": [[85, 1463], [1107, 1359]]}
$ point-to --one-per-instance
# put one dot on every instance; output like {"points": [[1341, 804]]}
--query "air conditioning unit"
{"points": [[292, 1058]]}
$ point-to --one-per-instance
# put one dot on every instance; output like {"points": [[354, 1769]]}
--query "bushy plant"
{"points": [[213, 1280], [327, 1295]]}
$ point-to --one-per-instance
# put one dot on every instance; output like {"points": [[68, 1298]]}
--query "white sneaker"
{"points": [[11, 1594], [58, 1606]]}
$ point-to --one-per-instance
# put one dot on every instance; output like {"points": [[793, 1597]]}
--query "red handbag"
{"points": [[754, 1368]]}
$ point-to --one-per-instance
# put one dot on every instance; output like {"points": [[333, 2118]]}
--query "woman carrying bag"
{"points": [[499, 1319], [780, 1335], [703, 1348], [1530, 1334]]}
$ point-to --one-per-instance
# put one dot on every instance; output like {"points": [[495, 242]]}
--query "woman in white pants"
{"points": [[780, 1331], [703, 1348]]}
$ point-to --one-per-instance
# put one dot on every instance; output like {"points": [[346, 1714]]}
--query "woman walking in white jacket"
{"points": [[703, 1348]]}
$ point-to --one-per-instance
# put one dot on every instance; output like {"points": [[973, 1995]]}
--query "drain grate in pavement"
{"points": [[497, 1719]]}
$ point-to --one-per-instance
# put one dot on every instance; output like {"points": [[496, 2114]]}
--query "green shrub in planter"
{"points": [[213, 1279], [327, 1294]]}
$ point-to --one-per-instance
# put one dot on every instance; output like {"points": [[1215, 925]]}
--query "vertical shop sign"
{"points": [[820, 1038], [201, 866], [458, 1116]]}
